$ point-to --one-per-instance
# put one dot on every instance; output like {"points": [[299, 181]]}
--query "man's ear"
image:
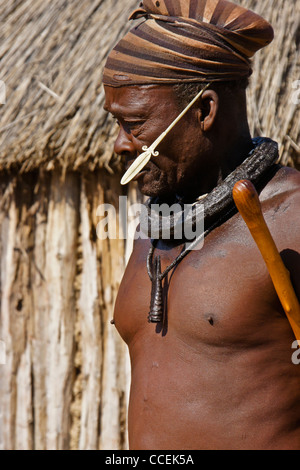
{"points": [[208, 110]]}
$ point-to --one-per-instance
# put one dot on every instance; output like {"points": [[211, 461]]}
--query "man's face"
{"points": [[143, 113]]}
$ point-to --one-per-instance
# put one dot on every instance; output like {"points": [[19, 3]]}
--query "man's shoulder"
{"points": [[289, 176], [284, 185], [280, 204]]}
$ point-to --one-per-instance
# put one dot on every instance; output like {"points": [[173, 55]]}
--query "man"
{"points": [[212, 367]]}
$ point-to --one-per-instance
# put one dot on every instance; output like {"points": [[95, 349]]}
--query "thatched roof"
{"points": [[273, 101], [52, 54]]}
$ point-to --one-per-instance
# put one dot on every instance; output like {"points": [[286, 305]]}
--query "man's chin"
{"points": [[155, 190], [154, 183]]}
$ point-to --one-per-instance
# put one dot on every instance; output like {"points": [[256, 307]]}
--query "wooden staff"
{"points": [[248, 204]]}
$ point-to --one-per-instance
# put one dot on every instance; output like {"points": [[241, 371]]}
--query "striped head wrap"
{"points": [[187, 40]]}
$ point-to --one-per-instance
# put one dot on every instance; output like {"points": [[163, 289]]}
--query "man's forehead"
{"points": [[135, 99]]}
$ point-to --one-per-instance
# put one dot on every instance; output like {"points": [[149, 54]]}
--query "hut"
{"points": [[64, 371]]}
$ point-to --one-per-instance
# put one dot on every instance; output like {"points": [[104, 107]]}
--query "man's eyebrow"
{"points": [[126, 115], [113, 112]]}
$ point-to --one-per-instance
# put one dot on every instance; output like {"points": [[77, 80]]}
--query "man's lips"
{"points": [[149, 167], [143, 171], [145, 168]]}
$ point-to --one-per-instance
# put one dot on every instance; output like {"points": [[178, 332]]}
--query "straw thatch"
{"points": [[274, 92], [65, 378], [52, 54], [65, 381]]}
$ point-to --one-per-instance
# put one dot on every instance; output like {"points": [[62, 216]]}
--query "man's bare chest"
{"points": [[222, 292]]}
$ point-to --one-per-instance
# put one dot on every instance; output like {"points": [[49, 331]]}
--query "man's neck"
{"points": [[226, 159], [234, 156]]}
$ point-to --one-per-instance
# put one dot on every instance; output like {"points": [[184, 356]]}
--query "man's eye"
{"points": [[134, 124], [130, 126]]}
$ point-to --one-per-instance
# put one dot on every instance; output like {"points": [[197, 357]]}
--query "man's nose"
{"points": [[123, 144]]}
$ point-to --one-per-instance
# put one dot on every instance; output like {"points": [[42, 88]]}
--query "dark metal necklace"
{"points": [[156, 312], [218, 207]]}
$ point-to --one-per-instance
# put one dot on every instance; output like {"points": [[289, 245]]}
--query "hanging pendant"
{"points": [[156, 306]]}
